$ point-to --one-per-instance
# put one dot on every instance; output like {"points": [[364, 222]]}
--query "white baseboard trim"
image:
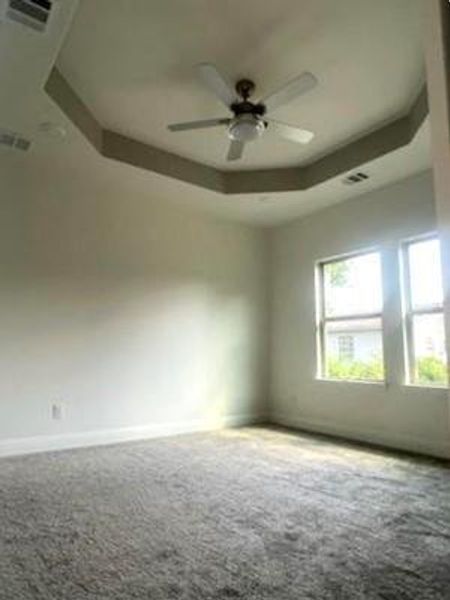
{"points": [[84, 439], [66, 441], [426, 446]]}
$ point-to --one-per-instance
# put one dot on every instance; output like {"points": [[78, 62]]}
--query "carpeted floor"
{"points": [[252, 513]]}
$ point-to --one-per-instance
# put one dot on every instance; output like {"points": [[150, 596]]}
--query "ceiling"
{"points": [[134, 46], [132, 64], [72, 157]]}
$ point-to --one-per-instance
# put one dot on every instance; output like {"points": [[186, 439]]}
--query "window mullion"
{"points": [[431, 310], [410, 349], [408, 318], [354, 317], [322, 330]]}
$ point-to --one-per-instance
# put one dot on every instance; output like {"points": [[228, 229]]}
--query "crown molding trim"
{"points": [[112, 145]]}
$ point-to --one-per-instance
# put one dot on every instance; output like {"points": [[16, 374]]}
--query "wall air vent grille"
{"points": [[356, 178], [31, 13], [14, 140]]}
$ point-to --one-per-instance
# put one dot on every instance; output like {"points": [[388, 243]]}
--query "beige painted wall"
{"points": [[407, 417], [140, 317], [130, 312]]}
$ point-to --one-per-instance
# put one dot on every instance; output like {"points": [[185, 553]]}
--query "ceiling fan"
{"points": [[249, 121]]}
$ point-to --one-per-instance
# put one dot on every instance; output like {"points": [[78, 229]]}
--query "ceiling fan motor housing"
{"points": [[245, 88]]}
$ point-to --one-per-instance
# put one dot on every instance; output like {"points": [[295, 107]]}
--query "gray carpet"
{"points": [[252, 513]]}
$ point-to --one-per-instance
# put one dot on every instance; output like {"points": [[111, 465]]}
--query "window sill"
{"points": [[427, 388], [351, 381]]}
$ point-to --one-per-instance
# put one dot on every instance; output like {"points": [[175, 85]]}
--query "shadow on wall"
{"points": [[125, 311]]}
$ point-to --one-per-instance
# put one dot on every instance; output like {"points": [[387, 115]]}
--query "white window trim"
{"points": [[322, 319], [409, 312]]}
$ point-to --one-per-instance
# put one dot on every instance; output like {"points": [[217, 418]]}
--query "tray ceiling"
{"points": [[132, 65]]}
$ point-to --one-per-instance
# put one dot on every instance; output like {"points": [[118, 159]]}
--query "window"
{"points": [[350, 318], [346, 344], [424, 317]]}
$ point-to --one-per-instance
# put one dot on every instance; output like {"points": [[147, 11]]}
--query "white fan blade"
{"points": [[295, 88], [198, 124], [217, 83], [294, 134], [235, 151]]}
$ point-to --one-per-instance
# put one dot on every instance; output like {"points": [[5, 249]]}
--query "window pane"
{"points": [[429, 349], [353, 286], [425, 273], [346, 347], [354, 350]]}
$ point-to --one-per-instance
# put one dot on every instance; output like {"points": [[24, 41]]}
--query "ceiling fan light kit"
{"points": [[249, 120], [245, 128]]}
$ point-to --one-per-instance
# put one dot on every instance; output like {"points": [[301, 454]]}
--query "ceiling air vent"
{"points": [[356, 178], [13, 140], [31, 13]]}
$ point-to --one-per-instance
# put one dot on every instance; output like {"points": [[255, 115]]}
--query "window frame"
{"points": [[409, 312], [322, 320]]}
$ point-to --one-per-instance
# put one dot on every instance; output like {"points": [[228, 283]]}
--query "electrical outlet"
{"points": [[57, 411]]}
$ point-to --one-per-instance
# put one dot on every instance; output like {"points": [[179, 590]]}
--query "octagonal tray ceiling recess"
{"points": [[131, 69]]}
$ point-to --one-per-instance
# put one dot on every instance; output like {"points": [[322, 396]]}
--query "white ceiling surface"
{"points": [[132, 63], [26, 59], [26, 62]]}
